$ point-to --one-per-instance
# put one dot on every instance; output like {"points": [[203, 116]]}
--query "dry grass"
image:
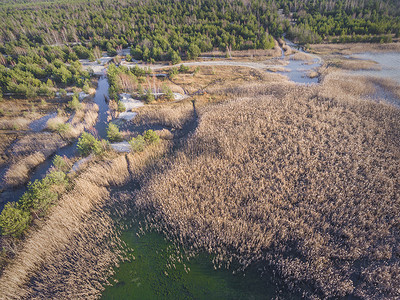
{"points": [[388, 84], [302, 56], [174, 115], [249, 54], [18, 123], [351, 48], [24, 155], [72, 252], [307, 183], [165, 134], [18, 173], [340, 84], [357, 64], [53, 123], [6, 141]]}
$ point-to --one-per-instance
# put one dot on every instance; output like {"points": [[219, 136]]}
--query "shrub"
{"points": [[63, 92], [183, 69], [13, 220], [113, 133], [74, 104], [85, 88], [87, 144], [168, 92], [137, 144], [42, 193], [59, 163], [149, 97], [62, 128], [151, 137], [173, 72], [121, 106]]}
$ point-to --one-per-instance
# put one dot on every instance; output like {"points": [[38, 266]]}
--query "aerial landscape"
{"points": [[200, 149]]}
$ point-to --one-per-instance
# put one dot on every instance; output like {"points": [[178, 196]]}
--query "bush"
{"points": [[173, 72], [85, 88], [87, 144], [42, 193], [149, 97], [13, 220], [113, 134], [137, 144], [74, 104], [151, 137], [59, 163], [183, 69], [121, 106], [169, 95], [62, 128], [63, 92]]}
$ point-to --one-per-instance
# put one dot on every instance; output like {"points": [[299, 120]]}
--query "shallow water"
{"points": [[298, 70], [156, 273], [390, 69], [390, 63]]}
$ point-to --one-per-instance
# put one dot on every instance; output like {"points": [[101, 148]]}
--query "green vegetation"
{"points": [[35, 71], [59, 163], [74, 104], [113, 134], [17, 216], [139, 143], [343, 21], [121, 106], [14, 221], [151, 137], [87, 144]]}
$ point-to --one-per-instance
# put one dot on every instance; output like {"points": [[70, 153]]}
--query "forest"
{"points": [[38, 51]]}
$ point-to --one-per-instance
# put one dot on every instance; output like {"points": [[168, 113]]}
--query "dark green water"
{"points": [[156, 273]]}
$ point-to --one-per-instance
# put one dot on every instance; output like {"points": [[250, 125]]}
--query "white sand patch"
{"points": [[121, 147]]}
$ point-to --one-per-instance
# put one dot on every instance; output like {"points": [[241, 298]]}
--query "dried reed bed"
{"points": [[278, 86], [18, 173], [18, 123], [173, 115], [388, 84], [53, 123], [28, 152], [306, 183], [340, 84], [302, 56], [357, 64], [70, 254], [351, 48]]}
